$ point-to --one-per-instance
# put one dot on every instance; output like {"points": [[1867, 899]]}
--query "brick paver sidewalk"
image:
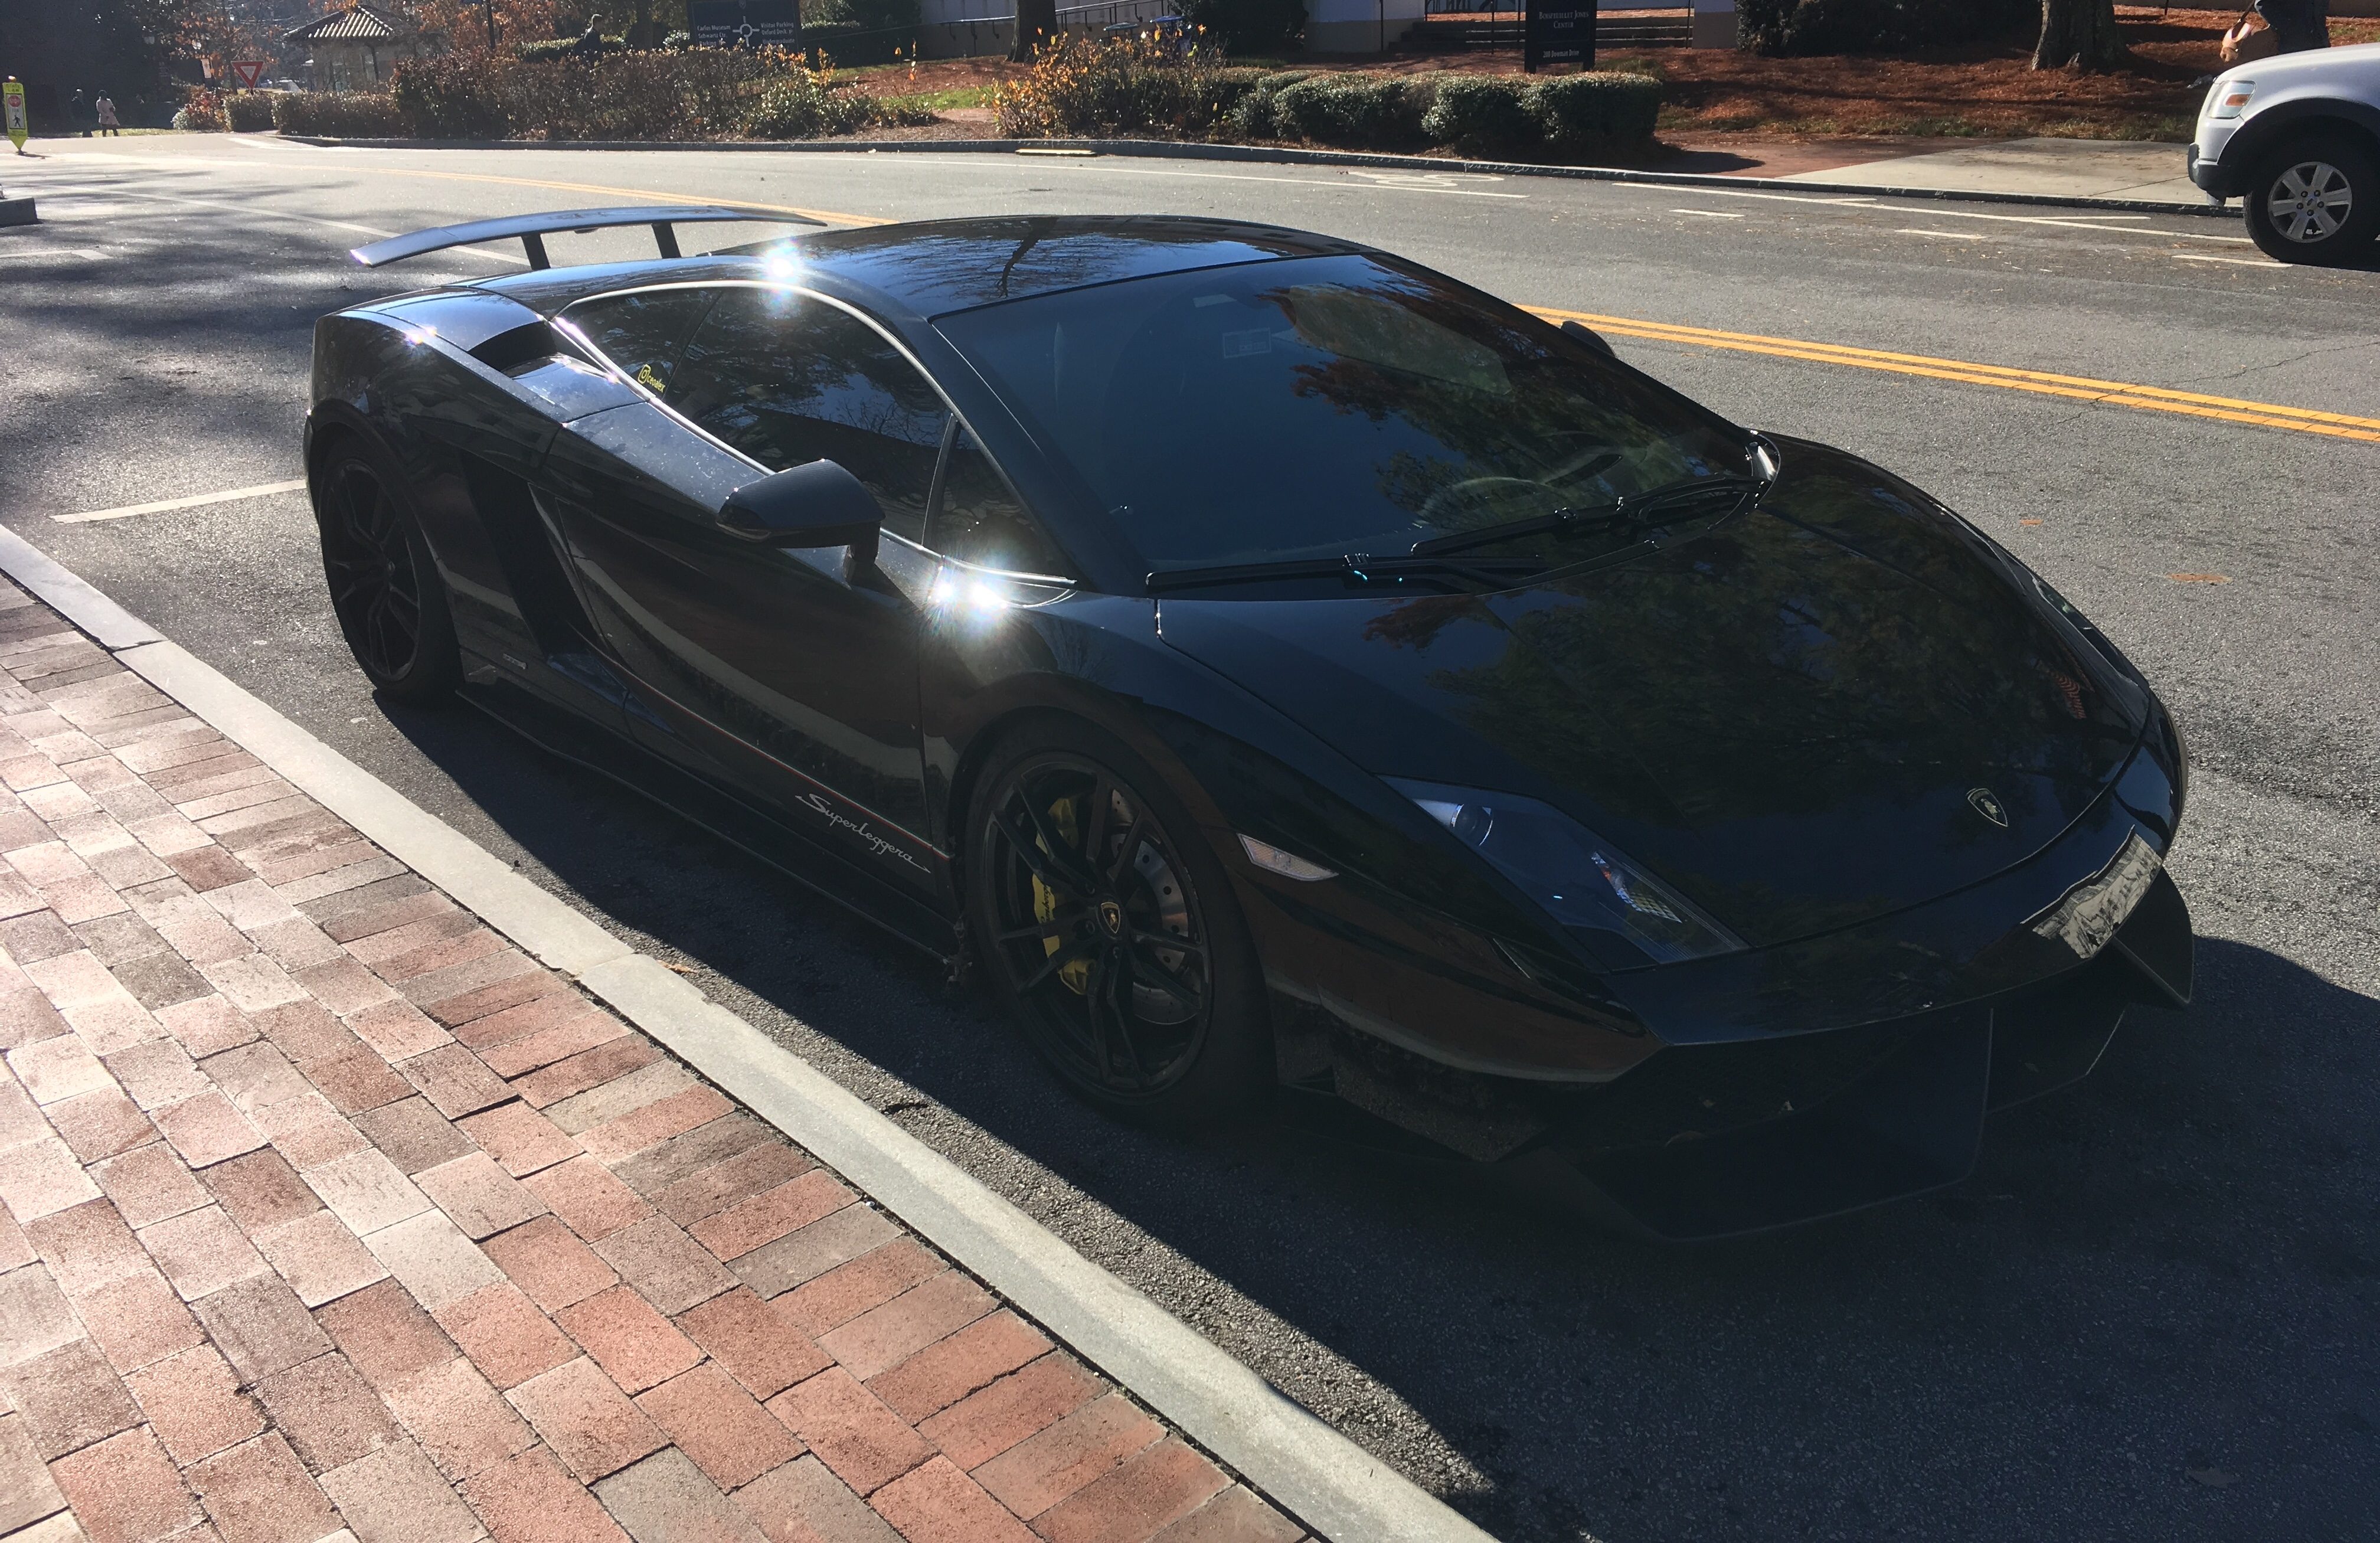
{"points": [[328, 1208]]}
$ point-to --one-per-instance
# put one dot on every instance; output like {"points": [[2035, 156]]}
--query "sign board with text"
{"points": [[748, 23], [1558, 32], [12, 94], [247, 72]]}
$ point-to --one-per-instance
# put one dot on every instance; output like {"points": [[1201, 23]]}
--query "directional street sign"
{"points": [[247, 72], [12, 92]]}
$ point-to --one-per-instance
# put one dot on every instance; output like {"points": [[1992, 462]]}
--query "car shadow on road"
{"points": [[2168, 1271]]}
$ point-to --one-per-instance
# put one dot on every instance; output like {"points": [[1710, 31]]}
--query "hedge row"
{"points": [[1566, 115], [698, 94]]}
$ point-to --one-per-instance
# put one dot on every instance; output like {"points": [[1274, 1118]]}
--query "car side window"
{"points": [[788, 378], [642, 333], [979, 520]]}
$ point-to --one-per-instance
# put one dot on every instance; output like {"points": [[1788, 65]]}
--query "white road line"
{"points": [[514, 259], [2096, 222], [51, 254], [2241, 261], [1110, 164], [1708, 213], [1952, 234], [194, 500], [1339, 1490]]}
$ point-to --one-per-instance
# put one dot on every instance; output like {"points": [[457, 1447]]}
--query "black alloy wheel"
{"points": [[384, 586], [2316, 200], [1118, 945]]}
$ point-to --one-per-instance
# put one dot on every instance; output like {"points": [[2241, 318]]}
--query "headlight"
{"points": [[1581, 880], [2228, 100]]}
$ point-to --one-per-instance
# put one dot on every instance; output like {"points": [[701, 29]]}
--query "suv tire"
{"points": [[2315, 199]]}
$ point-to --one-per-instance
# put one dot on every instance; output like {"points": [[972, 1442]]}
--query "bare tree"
{"points": [[1036, 20], [2079, 34]]}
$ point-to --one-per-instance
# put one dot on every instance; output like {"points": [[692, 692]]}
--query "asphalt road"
{"points": [[2155, 1309]]}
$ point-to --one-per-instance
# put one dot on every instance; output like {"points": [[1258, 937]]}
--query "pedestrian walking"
{"points": [[79, 114], [2297, 24], [107, 124]]}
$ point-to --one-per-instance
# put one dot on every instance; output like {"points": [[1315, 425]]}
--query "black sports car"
{"points": [[1270, 663]]}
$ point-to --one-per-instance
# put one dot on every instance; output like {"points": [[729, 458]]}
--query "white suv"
{"points": [[2297, 137]]}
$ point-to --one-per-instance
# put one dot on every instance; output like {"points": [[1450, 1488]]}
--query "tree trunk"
{"points": [[2079, 34], [1036, 21]]}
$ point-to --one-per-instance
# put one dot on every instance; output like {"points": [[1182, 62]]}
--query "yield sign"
{"points": [[247, 72]]}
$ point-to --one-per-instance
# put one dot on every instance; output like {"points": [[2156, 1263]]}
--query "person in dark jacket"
{"points": [[2297, 24], [78, 115]]}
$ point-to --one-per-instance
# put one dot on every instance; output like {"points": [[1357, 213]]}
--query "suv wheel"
{"points": [[2316, 200]]}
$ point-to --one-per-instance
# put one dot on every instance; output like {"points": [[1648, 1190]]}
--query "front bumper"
{"points": [[1716, 1141]]}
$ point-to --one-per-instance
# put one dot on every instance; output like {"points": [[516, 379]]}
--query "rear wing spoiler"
{"points": [[532, 229]]}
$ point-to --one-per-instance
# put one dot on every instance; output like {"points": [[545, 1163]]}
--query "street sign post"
{"points": [[1558, 32], [15, 212], [247, 72]]}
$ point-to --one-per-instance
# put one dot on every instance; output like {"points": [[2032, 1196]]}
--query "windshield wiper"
{"points": [[1355, 567], [1636, 509]]}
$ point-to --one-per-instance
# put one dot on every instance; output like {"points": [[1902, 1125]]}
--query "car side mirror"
{"points": [[818, 504], [1589, 337]]}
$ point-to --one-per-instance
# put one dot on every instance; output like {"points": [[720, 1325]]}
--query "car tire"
{"points": [[2315, 199], [1116, 942], [386, 587]]}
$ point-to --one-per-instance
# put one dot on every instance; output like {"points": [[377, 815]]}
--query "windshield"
{"points": [[1320, 407]]}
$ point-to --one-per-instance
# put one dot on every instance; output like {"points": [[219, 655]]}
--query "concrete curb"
{"points": [[1167, 150], [1330, 1484]]}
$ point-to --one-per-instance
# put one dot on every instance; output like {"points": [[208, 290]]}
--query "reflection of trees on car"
{"points": [[1736, 679]]}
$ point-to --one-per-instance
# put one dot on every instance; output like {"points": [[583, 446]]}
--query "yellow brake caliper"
{"points": [[1077, 973]]}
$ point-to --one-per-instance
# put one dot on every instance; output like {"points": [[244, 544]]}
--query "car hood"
{"points": [[1804, 718]]}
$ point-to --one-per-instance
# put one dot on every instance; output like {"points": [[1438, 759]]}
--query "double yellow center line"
{"points": [[2080, 388]]}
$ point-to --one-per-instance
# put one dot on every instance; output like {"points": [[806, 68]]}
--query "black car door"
{"points": [[783, 670]]}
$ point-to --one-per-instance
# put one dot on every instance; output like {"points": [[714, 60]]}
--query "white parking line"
{"points": [[52, 254], [1951, 234], [194, 500], [1708, 213], [2239, 261]]}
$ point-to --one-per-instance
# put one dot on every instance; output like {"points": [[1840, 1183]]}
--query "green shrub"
{"points": [[1353, 112], [1593, 111], [248, 112], [799, 106], [1875, 25], [1112, 88], [338, 115], [200, 110], [1250, 27], [1480, 114], [1251, 111], [454, 96]]}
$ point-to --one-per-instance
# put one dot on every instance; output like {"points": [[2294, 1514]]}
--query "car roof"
{"points": [[929, 268]]}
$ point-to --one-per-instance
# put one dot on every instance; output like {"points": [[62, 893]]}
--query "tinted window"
{"points": [[979, 520], [1324, 406], [788, 379], [641, 334]]}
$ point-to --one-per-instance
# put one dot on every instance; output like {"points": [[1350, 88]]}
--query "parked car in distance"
{"points": [[2298, 137]]}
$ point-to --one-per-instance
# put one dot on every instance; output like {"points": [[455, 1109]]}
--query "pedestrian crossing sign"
{"points": [[12, 93]]}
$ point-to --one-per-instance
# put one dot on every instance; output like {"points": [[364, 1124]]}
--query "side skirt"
{"points": [[748, 830]]}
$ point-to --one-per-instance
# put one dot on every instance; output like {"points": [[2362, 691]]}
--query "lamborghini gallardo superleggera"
{"points": [[1265, 662]]}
